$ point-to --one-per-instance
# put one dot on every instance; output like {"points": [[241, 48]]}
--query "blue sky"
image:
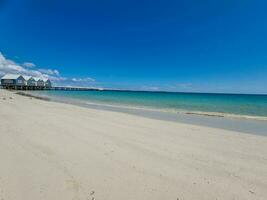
{"points": [[198, 46]]}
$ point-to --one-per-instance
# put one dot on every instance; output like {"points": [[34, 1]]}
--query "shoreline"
{"points": [[54, 151], [188, 112], [240, 123]]}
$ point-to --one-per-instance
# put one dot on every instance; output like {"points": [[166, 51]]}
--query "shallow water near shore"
{"points": [[196, 103], [244, 121]]}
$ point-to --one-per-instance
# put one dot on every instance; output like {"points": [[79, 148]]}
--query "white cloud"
{"points": [[175, 87], [9, 66], [150, 88], [87, 79], [28, 64], [56, 72], [49, 71]]}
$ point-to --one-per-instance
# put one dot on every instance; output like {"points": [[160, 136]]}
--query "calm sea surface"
{"points": [[217, 104]]}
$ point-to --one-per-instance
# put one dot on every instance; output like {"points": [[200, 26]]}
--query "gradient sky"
{"points": [[190, 45]]}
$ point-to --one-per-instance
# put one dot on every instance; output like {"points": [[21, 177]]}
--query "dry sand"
{"points": [[57, 151]]}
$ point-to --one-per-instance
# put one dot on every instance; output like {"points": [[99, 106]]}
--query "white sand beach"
{"points": [[57, 151]]}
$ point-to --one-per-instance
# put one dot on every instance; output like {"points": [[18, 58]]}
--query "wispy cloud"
{"points": [[86, 79], [183, 86], [30, 69], [149, 88], [52, 72], [28, 64], [174, 87]]}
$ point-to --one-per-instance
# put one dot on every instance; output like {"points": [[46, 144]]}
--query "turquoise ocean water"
{"points": [[254, 106]]}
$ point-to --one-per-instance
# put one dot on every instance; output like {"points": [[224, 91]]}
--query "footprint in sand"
{"points": [[42, 189], [91, 196]]}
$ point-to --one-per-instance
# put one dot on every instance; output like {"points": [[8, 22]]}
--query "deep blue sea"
{"points": [[192, 103]]}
